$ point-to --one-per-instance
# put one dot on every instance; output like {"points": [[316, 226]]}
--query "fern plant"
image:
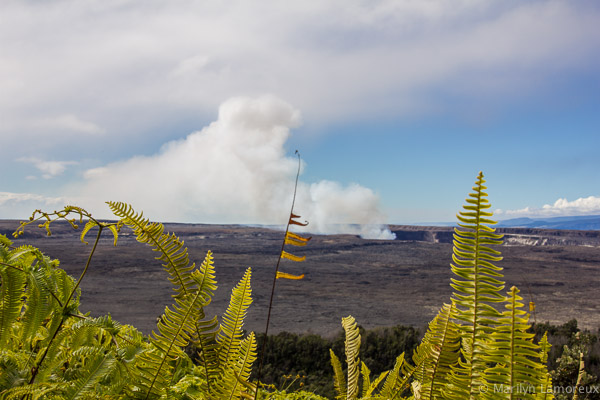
{"points": [[437, 354], [477, 286], [49, 349], [48, 346], [470, 350], [347, 388]]}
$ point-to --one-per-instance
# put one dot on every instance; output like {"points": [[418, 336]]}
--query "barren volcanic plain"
{"points": [[380, 282]]}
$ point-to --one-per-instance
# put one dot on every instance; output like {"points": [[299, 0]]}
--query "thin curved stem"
{"points": [[264, 346], [87, 264], [36, 368]]}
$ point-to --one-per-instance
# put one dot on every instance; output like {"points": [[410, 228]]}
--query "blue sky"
{"points": [[192, 111]]}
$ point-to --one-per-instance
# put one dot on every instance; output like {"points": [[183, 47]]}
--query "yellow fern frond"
{"points": [[513, 351], [338, 376], [477, 287], [173, 255], [234, 382], [231, 332], [89, 225], [366, 382], [436, 354], [175, 328], [352, 347], [394, 383]]}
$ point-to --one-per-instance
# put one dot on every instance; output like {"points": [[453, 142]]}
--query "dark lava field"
{"points": [[381, 283]]}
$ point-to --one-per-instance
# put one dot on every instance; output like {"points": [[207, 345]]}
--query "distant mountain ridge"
{"points": [[580, 223]]}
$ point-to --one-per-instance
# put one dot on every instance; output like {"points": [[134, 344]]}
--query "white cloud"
{"points": [[69, 123], [235, 171], [128, 65], [21, 205], [561, 207], [49, 169]]}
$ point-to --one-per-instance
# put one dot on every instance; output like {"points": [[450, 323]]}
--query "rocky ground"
{"points": [[381, 283]]}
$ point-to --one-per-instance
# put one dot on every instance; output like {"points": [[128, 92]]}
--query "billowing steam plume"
{"points": [[236, 171]]}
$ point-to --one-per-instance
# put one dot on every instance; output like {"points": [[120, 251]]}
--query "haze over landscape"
{"points": [[192, 111]]}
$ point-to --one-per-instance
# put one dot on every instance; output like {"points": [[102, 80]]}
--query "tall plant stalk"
{"points": [[287, 228]]}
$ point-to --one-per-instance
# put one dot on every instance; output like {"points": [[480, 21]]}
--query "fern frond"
{"points": [[174, 331], [477, 285], [205, 278], [12, 285], [352, 345], [94, 330], [366, 378], [40, 298], [34, 391], [97, 366], [88, 226], [546, 391], [394, 383], [235, 377], [130, 344], [437, 354], [206, 329], [375, 384], [208, 350], [173, 255], [5, 244], [231, 331], [339, 380], [513, 354], [62, 285], [14, 367]]}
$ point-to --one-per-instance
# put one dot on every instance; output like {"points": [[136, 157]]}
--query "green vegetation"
{"points": [[51, 350], [306, 356], [480, 345]]}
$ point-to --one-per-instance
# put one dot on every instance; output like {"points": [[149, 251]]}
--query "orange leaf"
{"points": [[285, 254], [283, 275], [294, 242], [293, 222], [298, 237]]}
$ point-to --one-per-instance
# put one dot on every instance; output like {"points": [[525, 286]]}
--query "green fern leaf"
{"points": [[208, 350], [395, 383], [366, 379], [96, 367], [231, 330], [513, 355], [5, 244], [88, 226], [546, 389], [173, 255], [14, 367], [36, 391], [375, 384], [478, 284], [39, 300], [352, 345], [174, 330], [12, 286], [437, 354], [205, 338], [205, 278], [339, 380], [234, 383]]}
